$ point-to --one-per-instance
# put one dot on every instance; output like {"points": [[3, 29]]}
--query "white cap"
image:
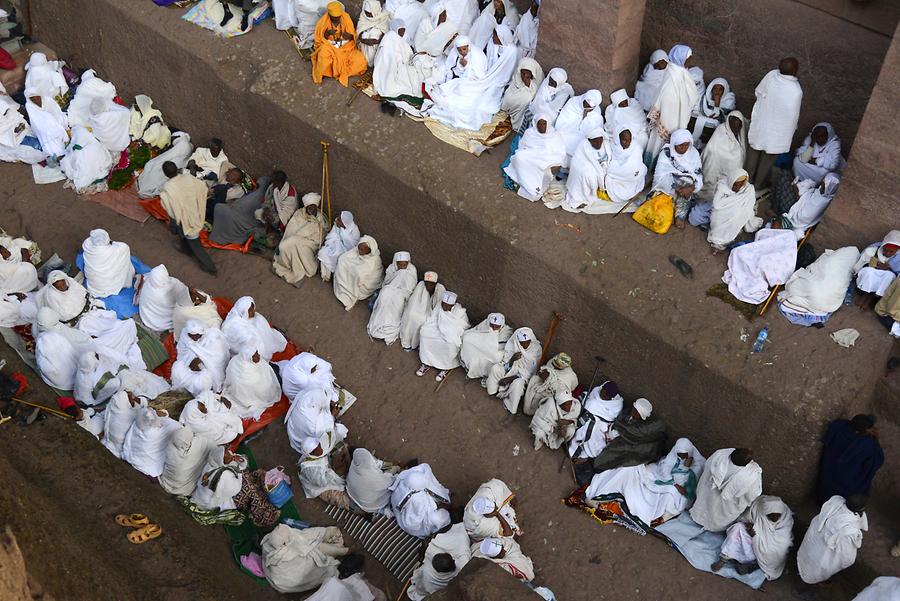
{"points": [[430, 276], [401, 256], [496, 319], [311, 198], [449, 298], [483, 505], [644, 407], [490, 547], [523, 335]]}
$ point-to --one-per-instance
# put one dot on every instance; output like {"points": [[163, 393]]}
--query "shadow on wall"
{"points": [[741, 40]]}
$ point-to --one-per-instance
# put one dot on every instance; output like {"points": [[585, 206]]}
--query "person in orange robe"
{"points": [[336, 54]]}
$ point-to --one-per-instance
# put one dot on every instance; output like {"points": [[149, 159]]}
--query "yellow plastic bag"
{"points": [[657, 213]]}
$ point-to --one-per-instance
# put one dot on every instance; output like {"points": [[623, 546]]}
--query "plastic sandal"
{"points": [[142, 535], [133, 520]]}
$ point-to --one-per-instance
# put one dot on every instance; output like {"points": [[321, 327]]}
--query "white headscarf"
{"points": [[156, 300], [185, 310], [241, 331], [723, 154], [518, 96], [69, 304], [732, 211], [145, 444], [673, 165], [120, 415], [536, 155], [107, 264], [304, 372], [708, 106], [218, 423], [549, 100], [771, 540], [251, 386], [358, 276], [646, 90], [338, 241], [367, 482], [185, 458]]}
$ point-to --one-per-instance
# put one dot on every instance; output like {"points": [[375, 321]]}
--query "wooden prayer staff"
{"points": [[551, 333], [772, 294], [42, 408], [405, 586], [326, 188]]}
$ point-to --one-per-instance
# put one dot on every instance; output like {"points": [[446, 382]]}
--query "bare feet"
{"points": [[679, 223], [717, 566]]}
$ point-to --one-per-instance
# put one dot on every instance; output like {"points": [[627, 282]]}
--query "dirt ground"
{"points": [[60, 489]]}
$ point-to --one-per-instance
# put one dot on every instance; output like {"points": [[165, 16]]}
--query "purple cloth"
{"points": [[163, 2], [253, 561]]}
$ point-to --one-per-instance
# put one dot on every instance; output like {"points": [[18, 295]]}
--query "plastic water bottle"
{"points": [[761, 340], [298, 524]]}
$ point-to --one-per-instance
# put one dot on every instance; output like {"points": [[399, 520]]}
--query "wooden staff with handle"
{"points": [[326, 188], [772, 294], [551, 333], [43, 408]]}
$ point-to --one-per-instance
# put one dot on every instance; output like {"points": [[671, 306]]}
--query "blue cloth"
{"points": [[123, 302], [802, 319], [849, 461], [508, 183], [32, 142]]}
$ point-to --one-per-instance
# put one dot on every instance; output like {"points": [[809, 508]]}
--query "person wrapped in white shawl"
{"points": [[145, 444], [369, 482], [733, 210], [762, 537], [217, 488], [371, 26], [317, 476], [446, 555], [539, 157], [194, 304], [186, 456], [482, 346], [208, 344], [425, 298], [16, 275], [526, 81], [646, 90], [107, 264], [209, 162], [716, 102], [147, 123], [755, 267], [727, 487], [497, 12], [508, 378], [819, 155], [243, 327], [595, 426], [157, 295], [586, 183], [813, 199], [109, 122], [461, 12], [833, 539], [677, 97], [250, 384], [359, 273], [877, 267], [302, 239], [17, 140], [394, 73], [580, 116], [312, 416], [305, 372], [399, 282], [86, 161], [341, 238], [49, 124], [436, 32], [151, 180], [679, 173], [527, 30], [553, 377], [555, 420], [552, 95], [56, 349], [95, 380], [45, 76], [883, 587], [120, 414], [295, 561], [655, 491], [118, 335], [491, 512], [627, 112], [193, 376], [507, 554], [65, 296], [725, 153], [813, 293], [211, 416], [419, 501], [440, 337]]}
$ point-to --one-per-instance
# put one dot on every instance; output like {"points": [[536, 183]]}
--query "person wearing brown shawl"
{"points": [[888, 308], [641, 438]]}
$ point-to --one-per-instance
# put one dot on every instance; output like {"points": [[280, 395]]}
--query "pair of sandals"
{"points": [[424, 369], [142, 531]]}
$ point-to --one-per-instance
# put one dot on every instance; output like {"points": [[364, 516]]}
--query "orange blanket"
{"points": [[156, 210]]}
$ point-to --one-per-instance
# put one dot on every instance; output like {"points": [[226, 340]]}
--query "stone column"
{"points": [[867, 205], [596, 41]]}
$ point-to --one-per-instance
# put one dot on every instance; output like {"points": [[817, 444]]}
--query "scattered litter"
{"points": [[745, 335], [593, 263], [846, 337], [571, 226], [516, 451], [683, 267], [634, 292]]}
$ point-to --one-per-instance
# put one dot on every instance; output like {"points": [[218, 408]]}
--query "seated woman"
{"points": [[86, 162], [586, 183], [716, 103], [646, 90], [813, 293], [117, 335], [295, 258], [209, 345], [335, 54], [120, 414], [342, 237], [305, 372], [724, 153], [186, 456], [57, 349], [250, 384], [211, 416], [759, 539], [18, 143], [45, 76], [877, 269], [235, 222], [436, 32], [733, 210], [192, 376], [579, 115], [655, 491], [679, 173], [95, 380], [194, 304], [420, 502], [228, 489], [244, 327], [157, 295], [107, 264], [296, 561], [626, 112], [369, 482], [311, 417], [69, 299], [49, 124], [359, 273], [819, 155], [145, 444], [16, 275], [812, 200], [399, 281], [394, 75], [537, 160], [370, 27], [525, 83]]}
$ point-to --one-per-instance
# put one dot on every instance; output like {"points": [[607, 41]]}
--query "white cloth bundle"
{"points": [[755, 267]]}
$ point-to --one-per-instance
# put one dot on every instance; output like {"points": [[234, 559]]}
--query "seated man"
{"points": [[399, 282], [206, 163], [235, 222], [359, 273], [211, 416], [425, 297], [491, 512], [640, 438], [336, 54], [320, 460], [295, 258], [446, 555], [876, 269], [506, 553], [482, 346], [555, 420], [107, 264], [278, 207], [760, 539], [440, 337], [295, 561], [192, 376], [554, 377], [184, 199], [369, 482], [145, 443], [730, 482], [507, 379], [228, 188], [851, 456], [833, 538], [419, 501], [595, 428]]}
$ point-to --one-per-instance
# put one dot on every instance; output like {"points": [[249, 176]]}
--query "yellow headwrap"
{"points": [[335, 9]]}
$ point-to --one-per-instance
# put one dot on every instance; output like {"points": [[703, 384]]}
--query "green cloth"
{"points": [[209, 517], [152, 350]]}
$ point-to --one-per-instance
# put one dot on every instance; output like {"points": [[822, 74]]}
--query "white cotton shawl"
{"points": [[252, 387], [732, 211], [812, 203], [300, 560], [536, 154], [296, 257], [483, 27], [821, 287], [222, 498], [724, 491], [831, 542], [152, 179], [572, 116], [242, 331], [109, 124], [145, 444], [518, 96], [480, 526], [309, 416], [13, 129], [677, 97], [17, 276], [767, 261], [185, 311], [384, 324], [44, 76], [626, 174], [393, 74], [56, 359], [775, 113], [432, 37], [368, 484], [558, 380], [120, 416], [526, 364], [706, 107], [440, 337], [157, 297], [547, 415], [90, 89], [426, 580], [371, 27], [631, 117], [549, 99], [646, 90], [411, 12], [723, 154], [587, 175], [119, 335], [49, 124], [358, 276], [86, 160], [211, 348], [107, 264], [772, 540], [338, 241], [482, 347], [140, 128], [305, 372], [527, 34], [418, 308], [194, 382], [414, 496], [882, 588], [219, 424], [827, 158], [352, 588], [186, 456], [141, 382], [672, 165], [90, 371], [461, 12]]}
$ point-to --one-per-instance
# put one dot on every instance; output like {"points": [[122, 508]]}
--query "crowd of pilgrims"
{"points": [[88, 342]]}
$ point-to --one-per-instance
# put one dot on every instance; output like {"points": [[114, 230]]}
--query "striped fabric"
{"points": [[396, 550]]}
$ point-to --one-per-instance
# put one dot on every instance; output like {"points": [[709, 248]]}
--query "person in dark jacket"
{"points": [[851, 455]]}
